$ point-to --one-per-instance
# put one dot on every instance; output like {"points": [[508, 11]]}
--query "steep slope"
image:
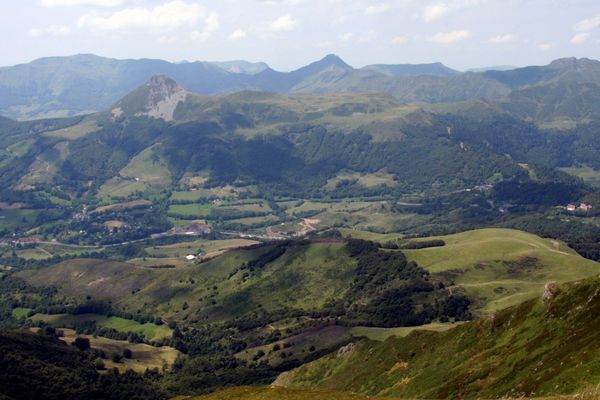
{"points": [[548, 345]]}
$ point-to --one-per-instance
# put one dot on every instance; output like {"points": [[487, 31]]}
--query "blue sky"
{"points": [[290, 33]]}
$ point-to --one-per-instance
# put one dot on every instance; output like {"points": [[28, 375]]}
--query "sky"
{"points": [[290, 33]]}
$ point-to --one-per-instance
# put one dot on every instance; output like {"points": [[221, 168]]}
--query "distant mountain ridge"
{"points": [[80, 84]]}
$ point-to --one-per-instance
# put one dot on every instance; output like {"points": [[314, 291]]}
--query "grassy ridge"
{"points": [[497, 267], [503, 267], [542, 347]]}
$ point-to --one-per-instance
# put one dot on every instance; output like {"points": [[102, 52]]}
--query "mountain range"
{"points": [[67, 86]]}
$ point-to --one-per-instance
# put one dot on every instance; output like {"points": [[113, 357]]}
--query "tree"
{"points": [[99, 364], [82, 343], [127, 353]]}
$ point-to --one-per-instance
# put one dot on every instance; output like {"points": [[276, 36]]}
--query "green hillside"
{"points": [[501, 267], [496, 267], [303, 277], [545, 346]]}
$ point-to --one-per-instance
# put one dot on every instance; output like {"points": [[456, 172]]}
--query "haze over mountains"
{"points": [[66, 86]]}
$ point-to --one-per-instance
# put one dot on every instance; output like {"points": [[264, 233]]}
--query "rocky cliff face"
{"points": [[157, 98]]}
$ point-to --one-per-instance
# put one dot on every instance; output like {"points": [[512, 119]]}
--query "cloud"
{"points": [[435, 11], [399, 40], [72, 3], [502, 38], [211, 24], [545, 46], [35, 32], [588, 24], [280, 2], [238, 34], [166, 16], [52, 30], [283, 23], [580, 38], [450, 37], [347, 36], [375, 9]]}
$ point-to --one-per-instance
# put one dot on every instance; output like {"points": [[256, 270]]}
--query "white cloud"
{"points": [[502, 38], [211, 24], [375, 9], [435, 11], [450, 37], [35, 32], [238, 34], [580, 38], [347, 36], [588, 24], [280, 2], [545, 46], [71, 3], [52, 30], [283, 23], [164, 16], [400, 40]]}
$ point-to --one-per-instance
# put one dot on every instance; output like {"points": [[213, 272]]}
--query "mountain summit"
{"points": [[157, 98]]}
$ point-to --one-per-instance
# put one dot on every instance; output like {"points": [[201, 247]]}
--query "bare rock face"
{"points": [[164, 94], [157, 98], [550, 291], [345, 350]]}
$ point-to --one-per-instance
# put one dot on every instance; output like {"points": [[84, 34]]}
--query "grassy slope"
{"points": [[262, 393], [538, 348], [502, 267]]}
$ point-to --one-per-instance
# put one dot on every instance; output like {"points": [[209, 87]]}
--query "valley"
{"points": [[353, 233]]}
